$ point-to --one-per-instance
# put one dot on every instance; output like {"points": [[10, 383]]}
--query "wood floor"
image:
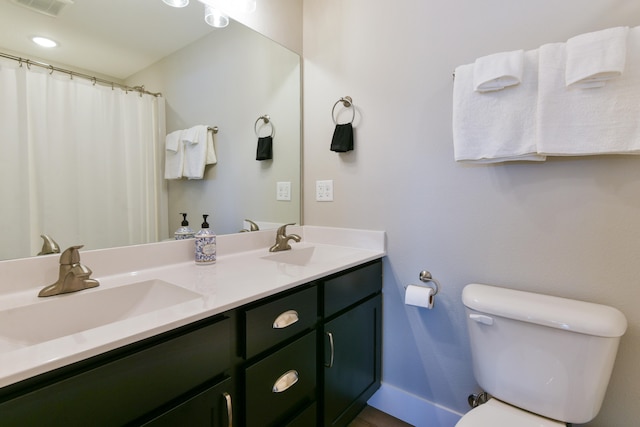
{"points": [[371, 417]]}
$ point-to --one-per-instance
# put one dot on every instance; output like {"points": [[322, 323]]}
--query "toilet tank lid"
{"points": [[561, 313]]}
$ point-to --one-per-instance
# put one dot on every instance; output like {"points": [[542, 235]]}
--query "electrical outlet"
{"points": [[324, 191], [283, 190]]}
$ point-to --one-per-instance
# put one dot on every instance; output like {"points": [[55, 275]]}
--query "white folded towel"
{"points": [[212, 159], [496, 126], [593, 58], [195, 152], [497, 71], [588, 122], [174, 155], [190, 136]]}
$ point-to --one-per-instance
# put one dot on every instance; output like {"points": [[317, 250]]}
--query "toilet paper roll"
{"points": [[419, 296]]}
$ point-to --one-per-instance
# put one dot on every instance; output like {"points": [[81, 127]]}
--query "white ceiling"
{"points": [[113, 38]]}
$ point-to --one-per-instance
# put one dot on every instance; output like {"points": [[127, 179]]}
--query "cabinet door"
{"points": [[352, 355], [213, 407]]}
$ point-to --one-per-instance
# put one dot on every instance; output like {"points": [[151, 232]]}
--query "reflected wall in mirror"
{"points": [[226, 78]]}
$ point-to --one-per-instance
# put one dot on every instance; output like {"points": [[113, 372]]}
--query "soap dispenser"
{"points": [[205, 244], [184, 232]]}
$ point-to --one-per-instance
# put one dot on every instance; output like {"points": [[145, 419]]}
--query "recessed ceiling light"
{"points": [[44, 42]]}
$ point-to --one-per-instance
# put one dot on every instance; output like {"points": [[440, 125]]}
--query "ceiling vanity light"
{"points": [[176, 3], [44, 42]]}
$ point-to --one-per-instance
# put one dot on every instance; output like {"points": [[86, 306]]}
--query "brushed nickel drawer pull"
{"points": [[227, 399], [285, 381], [286, 319]]}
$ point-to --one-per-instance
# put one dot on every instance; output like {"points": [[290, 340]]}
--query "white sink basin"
{"points": [[294, 256], [67, 314]]}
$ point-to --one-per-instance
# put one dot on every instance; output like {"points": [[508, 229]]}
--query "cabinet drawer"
{"points": [[349, 288], [275, 321], [116, 392], [266, 407], [307, 418]]}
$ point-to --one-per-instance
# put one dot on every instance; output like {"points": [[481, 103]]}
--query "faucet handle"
{"points": [[49, 246], [282, 230], [71, 255]]}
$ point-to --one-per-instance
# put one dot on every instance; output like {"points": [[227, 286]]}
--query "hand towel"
{"points": [[195, 152], [342, 140], [588, 122], [593, 58], [495, 126], [174, 155], [212, 159], [190, 136], [265, 148], [497, 71]]}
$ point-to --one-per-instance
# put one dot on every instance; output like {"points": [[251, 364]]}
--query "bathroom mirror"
{"points": [[217, 77]]}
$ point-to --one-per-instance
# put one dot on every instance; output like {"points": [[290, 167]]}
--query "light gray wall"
{"points": [[229, 79], [567, 227]]}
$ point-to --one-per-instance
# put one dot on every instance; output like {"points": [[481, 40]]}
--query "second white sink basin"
{"points": [[293, 256], [67, 314]]}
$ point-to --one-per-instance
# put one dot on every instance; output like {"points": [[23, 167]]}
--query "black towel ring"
{"points": [[347, 102], [267, 121]]}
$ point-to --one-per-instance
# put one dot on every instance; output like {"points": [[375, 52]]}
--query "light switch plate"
{"points": [[324, 191], [283, 190]]}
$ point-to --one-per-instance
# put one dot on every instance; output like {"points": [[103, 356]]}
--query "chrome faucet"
{"points": [[282, 240], [73, 275]]}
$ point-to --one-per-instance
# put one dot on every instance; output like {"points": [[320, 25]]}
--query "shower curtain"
{"points": [[79, 162]]}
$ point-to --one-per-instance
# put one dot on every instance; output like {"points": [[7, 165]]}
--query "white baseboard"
{"points": [[412, 409]]}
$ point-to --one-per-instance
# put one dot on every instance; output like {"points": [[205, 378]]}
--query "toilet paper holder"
{"points": [[426, 277]]}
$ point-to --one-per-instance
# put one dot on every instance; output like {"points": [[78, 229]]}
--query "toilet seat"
{"points": [[495, 413]]}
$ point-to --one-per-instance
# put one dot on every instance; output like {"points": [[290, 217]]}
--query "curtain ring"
{"points": [[347, 102], [51, 69], [267, 121], [93, 79], [29, 65]]}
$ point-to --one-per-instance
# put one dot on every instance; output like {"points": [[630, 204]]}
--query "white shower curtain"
{"points": [[79, 162]]}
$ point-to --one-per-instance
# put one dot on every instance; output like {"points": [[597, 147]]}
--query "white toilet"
{"points": [[545, 361]]}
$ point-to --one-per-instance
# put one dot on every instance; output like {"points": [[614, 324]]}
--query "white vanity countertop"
{"points": [[243, 273]]}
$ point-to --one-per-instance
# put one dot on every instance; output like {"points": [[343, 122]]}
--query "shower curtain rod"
{"points": [[29, 62]]}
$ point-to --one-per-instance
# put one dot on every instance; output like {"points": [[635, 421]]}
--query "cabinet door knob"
{"points": [[227, 401], [285, 381], [285, 319]]}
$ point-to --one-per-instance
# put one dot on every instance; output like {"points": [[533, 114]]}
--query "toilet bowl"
{"points": [[495, 413], [528, 354]]}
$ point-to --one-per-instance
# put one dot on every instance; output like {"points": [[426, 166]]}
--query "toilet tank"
{"points": [[551, 356]]}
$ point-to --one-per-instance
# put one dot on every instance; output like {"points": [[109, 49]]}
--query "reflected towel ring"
{"points": [[347, 102], [267, 121]]}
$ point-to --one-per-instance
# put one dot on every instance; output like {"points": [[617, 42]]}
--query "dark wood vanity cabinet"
{"points": [[305, 357], [128, 386], [351, 343]]}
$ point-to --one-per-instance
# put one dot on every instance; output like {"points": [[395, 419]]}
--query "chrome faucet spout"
{"points": [[282, 239], [72, 277]]}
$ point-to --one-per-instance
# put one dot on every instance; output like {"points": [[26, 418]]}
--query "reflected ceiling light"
{"points": [[176, 3], [249, 6], [44, 42], [214, 17]]}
